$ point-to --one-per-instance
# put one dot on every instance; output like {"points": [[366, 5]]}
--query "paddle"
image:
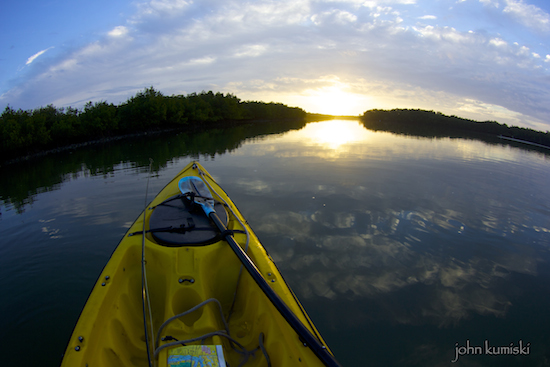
{"points": [[196, 187]]}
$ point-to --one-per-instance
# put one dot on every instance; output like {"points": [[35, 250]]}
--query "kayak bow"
{"points": [[202, 305]]}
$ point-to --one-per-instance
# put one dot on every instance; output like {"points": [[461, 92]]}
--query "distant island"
{"points": [[27, 132], [435, 124]]}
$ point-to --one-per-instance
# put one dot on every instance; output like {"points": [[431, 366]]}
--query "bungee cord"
{"points": [[235, 345]]}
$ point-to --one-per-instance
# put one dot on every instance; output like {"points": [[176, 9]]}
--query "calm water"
{"points": [[398, 247]]}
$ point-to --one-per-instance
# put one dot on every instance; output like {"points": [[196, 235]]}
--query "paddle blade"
{"points": [[203, 196]]}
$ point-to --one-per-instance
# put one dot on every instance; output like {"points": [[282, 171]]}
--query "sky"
{"points": [[477, 59]]}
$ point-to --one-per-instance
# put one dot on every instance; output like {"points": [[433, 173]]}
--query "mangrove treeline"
{"points": [[28, 131], [435, 124]]}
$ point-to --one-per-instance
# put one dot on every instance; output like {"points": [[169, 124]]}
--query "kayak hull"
{"points": [[111, 328]]}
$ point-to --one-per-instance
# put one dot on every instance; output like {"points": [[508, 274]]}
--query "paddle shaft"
{"points": [[307, 337]]}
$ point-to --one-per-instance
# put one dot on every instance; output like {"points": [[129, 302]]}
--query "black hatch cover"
{"points": [[179, 221]]}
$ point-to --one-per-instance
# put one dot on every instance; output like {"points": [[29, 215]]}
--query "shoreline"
{"points": [[186, 129], [435, 124], [103, 140], [384, 124], [28, 133], [523, 142]]}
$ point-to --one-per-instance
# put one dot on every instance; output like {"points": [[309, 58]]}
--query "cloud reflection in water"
{"points": [[403, 230], [369, 265]]}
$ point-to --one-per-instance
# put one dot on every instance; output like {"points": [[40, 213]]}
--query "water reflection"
{"points": [[334, 134], [388, 240], [383, 258], [21, 182], [438, 234]]}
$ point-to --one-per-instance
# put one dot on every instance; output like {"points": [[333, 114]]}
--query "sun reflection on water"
{"points": [[334, 134]]}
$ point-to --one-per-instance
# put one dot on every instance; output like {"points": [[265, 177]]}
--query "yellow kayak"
{"points": [[191, 285]]}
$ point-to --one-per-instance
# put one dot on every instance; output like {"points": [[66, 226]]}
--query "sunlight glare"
{"points": [[334, 134], [334, 99]]}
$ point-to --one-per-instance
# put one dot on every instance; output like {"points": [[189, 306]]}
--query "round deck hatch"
{"points": [[179, 221]]}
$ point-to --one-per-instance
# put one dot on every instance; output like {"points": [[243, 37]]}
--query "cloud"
{"points": [[493, 3], [160, 9], [118, 31], [528, 15], [334, 16], [498, 42], [39, 53], [375, 3], [281, 51]]}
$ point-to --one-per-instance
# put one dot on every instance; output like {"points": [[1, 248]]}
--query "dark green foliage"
{"points": [[67, 127], [146, 109], [436, 124], [27, 132], [99, 119], [260, 110], [176, 110], [200, 111], [21, 129]]}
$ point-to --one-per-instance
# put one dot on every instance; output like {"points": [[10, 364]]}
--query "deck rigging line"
{"points": [[144, 287], [235, 345]]}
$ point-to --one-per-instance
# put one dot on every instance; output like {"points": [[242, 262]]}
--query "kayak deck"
{"points": [[110, 330]]}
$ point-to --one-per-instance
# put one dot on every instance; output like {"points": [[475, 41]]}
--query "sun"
{"points": [[335, 99]]}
